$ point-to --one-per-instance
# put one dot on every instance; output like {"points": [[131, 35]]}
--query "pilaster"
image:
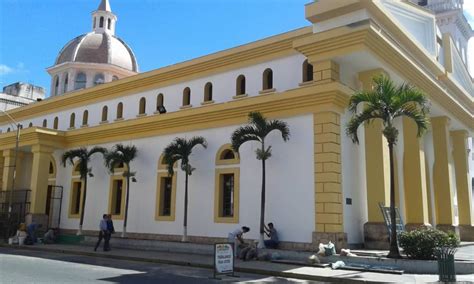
{"points": [[326, 71], [443, 181], [414, 176], [328, 187], [8, 163], [377, 167], [39, 178], [464, 193]]}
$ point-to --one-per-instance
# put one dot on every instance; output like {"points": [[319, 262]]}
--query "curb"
{"points": [[195, 264]]}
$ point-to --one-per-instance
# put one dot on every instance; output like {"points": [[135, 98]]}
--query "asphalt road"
{"points": [[43, 267]]}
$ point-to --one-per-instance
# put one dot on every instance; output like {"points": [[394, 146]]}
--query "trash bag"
{"points": [[338, 264], [313, 259]]}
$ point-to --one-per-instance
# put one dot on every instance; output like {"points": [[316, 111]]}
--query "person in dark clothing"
{"points": [[103, 233], [110, 230], [272, 233]]}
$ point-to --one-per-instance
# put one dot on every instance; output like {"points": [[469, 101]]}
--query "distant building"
{"points": [[20, 94]]}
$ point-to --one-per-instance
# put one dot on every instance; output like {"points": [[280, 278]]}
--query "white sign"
{"points": [[223, 258]]}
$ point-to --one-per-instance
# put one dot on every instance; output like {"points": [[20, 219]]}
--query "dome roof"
{"points": [[98, 48]]}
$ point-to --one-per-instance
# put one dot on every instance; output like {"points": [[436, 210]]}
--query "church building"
{"points": [[320, 185]]}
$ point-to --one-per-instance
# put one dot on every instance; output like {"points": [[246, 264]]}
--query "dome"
{"points": [[101, 48]]}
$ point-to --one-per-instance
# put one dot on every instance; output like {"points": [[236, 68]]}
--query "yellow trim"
{"points": [[111, 191], [162, 166], [158, 217], [220, 161], [71, 198], [463, 180], [442, 178], [217, 195]]}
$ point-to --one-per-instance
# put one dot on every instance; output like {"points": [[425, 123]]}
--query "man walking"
{"points": [[110, 231], [103, 233]]}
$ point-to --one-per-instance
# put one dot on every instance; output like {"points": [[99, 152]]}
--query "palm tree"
{"points": [[257, 130], [181, 149], [122, 155], [387, 102], [83, 156]]}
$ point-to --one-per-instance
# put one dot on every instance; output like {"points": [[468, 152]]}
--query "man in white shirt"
{"points": [[103, 233]]}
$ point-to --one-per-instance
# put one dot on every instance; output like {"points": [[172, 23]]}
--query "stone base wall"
{"points": [[466, 233], [338, 239], [191, 239], [411, 227], [448, 228], [376, 236]]}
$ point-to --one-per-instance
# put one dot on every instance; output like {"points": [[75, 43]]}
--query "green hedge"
{"points": [[421, 243]]}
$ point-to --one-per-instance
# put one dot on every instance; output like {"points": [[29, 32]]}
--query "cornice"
{"points": [[304, 100], [245, 55]]}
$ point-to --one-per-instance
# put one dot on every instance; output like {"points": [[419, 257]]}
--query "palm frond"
{"points": [[197, 140], [363, 97], [366, 116], [242, 135], [418, 116], [257, 119], [281, 126], [97, 149]]}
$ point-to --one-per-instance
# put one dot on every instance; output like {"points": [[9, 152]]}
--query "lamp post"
{"points": [[10, 201]]}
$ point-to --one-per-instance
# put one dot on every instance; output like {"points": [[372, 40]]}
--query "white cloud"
{"points": [[4, 69]]}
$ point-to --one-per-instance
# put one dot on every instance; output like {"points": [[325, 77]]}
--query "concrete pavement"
{"points": [[256, 267]]}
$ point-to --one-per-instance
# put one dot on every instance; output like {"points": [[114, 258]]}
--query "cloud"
{"points": [[6, 70]]}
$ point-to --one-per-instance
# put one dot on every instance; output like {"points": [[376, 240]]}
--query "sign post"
{"points": [[223, 259]]}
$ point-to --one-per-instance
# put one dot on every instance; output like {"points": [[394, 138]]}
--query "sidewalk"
{"points": [[256, 267]]}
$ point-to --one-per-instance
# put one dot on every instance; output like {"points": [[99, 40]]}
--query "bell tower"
{"points": [[103, 20]]}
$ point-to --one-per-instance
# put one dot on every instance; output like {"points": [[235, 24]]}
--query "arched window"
{"points": [[85, 118], [120, 111], [45, 123], [142, 106], [165, 193], [98, 79], [105, 111], [187, 96], [115, 78], [267, 79], [240, 84], [66, 83], [208, 92], [30, 125], [8, 129], [109, 23], [101, 22], [227, 186], [307, 71], [159, 101], [52, 168], [81, 80], [55, 123], [56, 85], [72, 120]]}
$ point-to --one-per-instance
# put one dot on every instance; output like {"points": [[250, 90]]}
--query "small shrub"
{"points": [[421, 243]]}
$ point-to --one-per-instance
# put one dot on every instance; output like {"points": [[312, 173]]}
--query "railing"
{"points": [[455, 65], [444, 5], [20, 207]]}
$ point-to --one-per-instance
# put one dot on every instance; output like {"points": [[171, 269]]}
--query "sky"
{"points": [[160, 32]]}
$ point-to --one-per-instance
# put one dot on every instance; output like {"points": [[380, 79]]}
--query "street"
{"points": [[18, 266]]}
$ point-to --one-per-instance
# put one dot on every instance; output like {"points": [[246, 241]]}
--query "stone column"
{"points": [[377, 166], [328, 188], [464, 193], [39, 183], [443, 181], [324, 71], [8, 162], [414, 177]]}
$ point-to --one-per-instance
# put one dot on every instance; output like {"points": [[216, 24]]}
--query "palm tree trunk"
{"points": [[83, 207], [261, 243], [394, 252], [185, 221], [124, 231]]}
